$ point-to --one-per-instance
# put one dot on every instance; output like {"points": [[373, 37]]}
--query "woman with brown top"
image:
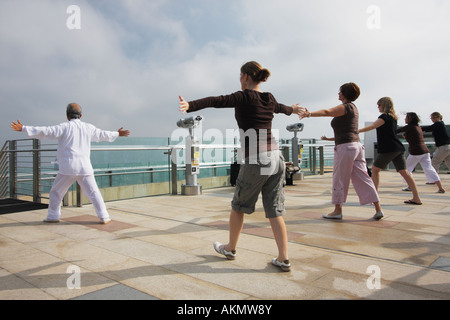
{"points": [[349, 155], [418, 151], [390, 147], [264, 167]]}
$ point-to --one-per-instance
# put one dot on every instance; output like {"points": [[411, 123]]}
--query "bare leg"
{"points": [[376, 176], [236, 224], [439, 184], [377, 206], [280, 234], [411, 184]]}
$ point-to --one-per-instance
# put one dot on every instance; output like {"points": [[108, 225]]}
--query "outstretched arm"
{"points": [[327, 139], [52, 132], [332, 112], [98, 135], [224, 101], [378, 123]]}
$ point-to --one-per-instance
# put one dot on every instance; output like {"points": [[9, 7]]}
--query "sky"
{"points": [[127, 61]]}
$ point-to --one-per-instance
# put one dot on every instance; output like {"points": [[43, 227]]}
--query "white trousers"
{"points": [[425, 162], [88, 186]]}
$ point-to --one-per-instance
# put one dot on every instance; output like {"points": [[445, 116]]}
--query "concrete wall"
{"points": [[149, 189]]}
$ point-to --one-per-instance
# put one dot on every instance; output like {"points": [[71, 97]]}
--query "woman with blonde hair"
{"points": [[390, 147]]}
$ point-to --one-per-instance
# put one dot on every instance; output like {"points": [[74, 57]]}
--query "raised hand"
{"points": [[123, 133], [17, 126], [296, 108], [183, 105], [303, 113]]}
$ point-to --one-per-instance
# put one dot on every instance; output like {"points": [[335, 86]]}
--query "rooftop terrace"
{"points": [[161, 248]]}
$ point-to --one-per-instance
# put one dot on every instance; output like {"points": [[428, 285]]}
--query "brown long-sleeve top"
{"points": [[254, 112], [414, 136]]}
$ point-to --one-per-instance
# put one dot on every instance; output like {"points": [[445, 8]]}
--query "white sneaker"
{"points": [[285, 265], [378, 215], [337, 216], [105, 220], [406, 189], [220, 248]]}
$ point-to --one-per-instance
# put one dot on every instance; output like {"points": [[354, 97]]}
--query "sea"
{"points": [[142, 160]]}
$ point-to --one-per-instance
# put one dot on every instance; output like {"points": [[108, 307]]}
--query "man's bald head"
{"points": [[73, 111]]}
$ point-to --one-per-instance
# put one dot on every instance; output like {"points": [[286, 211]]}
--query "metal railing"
{"points": [[28, 168]]}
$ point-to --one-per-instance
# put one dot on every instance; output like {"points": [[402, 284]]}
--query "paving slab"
{"points": [[160, 248]]}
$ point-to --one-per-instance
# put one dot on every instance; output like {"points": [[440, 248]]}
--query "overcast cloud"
{"points": [[131, 59]]}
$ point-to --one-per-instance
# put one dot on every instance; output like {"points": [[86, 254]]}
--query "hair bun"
{"points": [[263, 75], [255, 71]]}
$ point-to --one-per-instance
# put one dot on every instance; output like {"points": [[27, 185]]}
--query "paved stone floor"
{"points": [[161, 248]]}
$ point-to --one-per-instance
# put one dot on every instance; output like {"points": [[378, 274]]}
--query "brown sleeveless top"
{"points": [[346, 127]]}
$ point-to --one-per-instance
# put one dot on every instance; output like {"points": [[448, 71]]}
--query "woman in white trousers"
{"points": [[418, 151]]}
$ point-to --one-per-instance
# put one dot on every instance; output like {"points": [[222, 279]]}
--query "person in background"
{"points": [[418, 151], [73, 157], [349, 156], [264, 167], [390, 147], [442, 140]]}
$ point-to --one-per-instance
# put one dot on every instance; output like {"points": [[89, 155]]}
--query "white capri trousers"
{"points": [[425, 162], [88, 186]]}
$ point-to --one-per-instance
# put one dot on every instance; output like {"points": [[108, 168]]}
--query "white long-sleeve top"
{"points": [[74, 144]]}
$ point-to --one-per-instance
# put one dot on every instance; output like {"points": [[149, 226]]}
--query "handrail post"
{"points": [[12, 169], [36, 171], [314, 159], [78, 195], [174, 169], [4, 159], [321, 160]]}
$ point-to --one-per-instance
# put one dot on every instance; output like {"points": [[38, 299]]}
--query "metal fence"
{"points": [[28, 167]]}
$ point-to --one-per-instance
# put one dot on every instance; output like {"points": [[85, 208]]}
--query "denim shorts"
{"points": [[267, 178]]}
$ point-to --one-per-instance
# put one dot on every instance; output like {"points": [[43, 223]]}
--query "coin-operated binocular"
{"points": [[296, 127], [293, 170], [192, 156], [189, 123]]}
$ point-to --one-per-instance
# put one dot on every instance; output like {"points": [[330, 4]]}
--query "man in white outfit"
{"points": [[73, 157]]}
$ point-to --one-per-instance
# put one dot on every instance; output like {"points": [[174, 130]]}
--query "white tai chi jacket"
{"points": [[74, 144]]}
